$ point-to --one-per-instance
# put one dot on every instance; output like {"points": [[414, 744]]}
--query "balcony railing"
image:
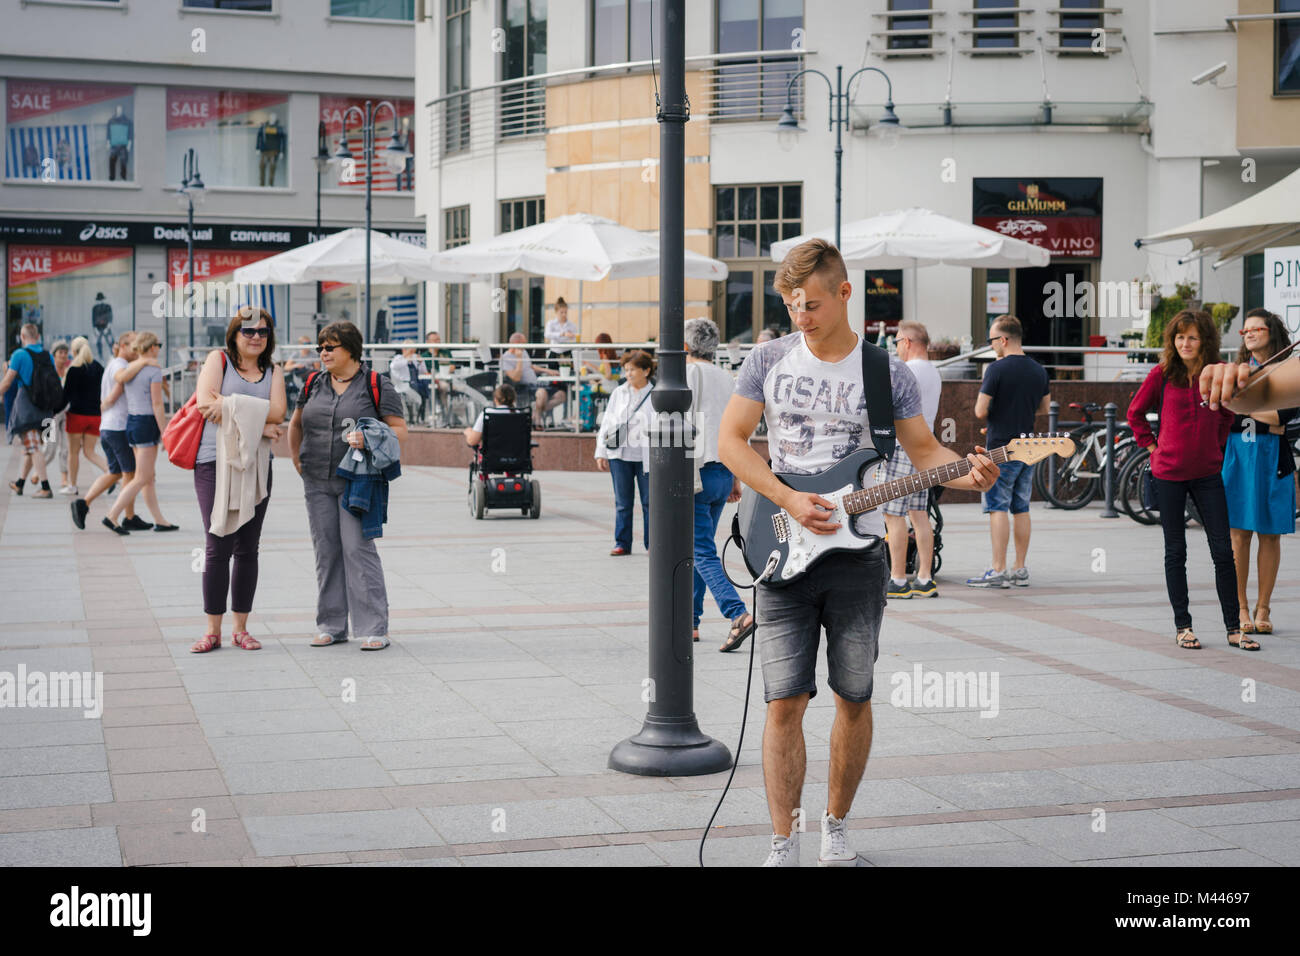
{"points": [[738, 86]]}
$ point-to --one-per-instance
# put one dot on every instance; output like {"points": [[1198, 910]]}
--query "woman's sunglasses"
{"points": [[264, 332], [327, 348]]}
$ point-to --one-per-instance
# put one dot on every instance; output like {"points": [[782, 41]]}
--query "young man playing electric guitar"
{"points": [[811, 387]]}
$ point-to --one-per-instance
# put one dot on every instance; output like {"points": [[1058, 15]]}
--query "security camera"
{"points": [[1216, 70]]}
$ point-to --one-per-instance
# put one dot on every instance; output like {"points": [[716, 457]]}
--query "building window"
{"points": [[66, 291], [241, 137], [456, 108], [1077, 27], [624, 31], [455, 231], [374, 9], [342, 121], [518, 213], [756, 89], [747, 221], [67, 132], [523, 105], [915, 21], [992, 21], [253, 6], [1286, 58]]}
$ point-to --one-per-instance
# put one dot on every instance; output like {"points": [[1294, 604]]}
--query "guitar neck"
{"points": [[867, 498]]}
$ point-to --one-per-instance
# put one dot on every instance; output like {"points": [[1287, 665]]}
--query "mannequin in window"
{"points": [[120, 132], [270, 144], [101, 318]]}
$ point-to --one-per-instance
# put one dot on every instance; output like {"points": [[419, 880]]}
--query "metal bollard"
{"points": [[1053, 418], [1108, 475]]}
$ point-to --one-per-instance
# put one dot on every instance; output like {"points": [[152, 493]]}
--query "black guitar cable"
{"points": [[749, 671]]}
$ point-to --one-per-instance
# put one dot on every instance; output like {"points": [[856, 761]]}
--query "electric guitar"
{"points": [[779, 550]]}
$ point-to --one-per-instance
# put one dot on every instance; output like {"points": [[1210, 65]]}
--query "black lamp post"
{"points": [[322, 160], [395, 151], [839, 97], [191, 191], [670, 742]]}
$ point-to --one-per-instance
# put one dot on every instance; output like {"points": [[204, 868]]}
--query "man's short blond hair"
{"points": [[914, 330], [30, 331], [816, 256]]}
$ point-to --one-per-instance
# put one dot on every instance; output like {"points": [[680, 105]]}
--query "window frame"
{"points": [[1278, 26], [1095, 11], [453, 218], [457, 132], [1012, 35], [923, 41], [221, 11]]}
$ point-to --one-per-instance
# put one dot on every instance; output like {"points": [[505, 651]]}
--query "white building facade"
{"points": [[1074, 123]]}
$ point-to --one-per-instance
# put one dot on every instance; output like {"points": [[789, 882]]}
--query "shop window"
{"points": [[747, 221], [624, 31], [216, 296], [68, 291], [991, 21], [754, 89], [455, 230], [248, 6], [374, 9], [519, 213], [241, 137], [455, 123], [340, 119], [67, 132], [1286, 56], [1253, 282], [1077, 24], [912, 19]]}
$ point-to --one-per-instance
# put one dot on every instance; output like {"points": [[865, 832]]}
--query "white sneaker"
{"points": [[835, 844], [785, 851], [67, 490]]}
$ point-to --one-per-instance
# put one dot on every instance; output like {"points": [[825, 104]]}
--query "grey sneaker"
{"points": [[989, 579], [1019, 577], [785, 851], [835, 844]]}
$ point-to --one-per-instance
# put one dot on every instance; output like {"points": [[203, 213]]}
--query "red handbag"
{"points": [[183, 433]]}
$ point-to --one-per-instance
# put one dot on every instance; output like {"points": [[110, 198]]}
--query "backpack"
{"points": [[46, 391], [374, 389]]}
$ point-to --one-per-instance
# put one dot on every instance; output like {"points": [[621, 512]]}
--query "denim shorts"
{"points": [[844, 593], [142, 431], [1011, 492], [117, 452]]}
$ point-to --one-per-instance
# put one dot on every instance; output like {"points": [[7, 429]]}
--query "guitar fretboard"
{"points": [[865, 499]]}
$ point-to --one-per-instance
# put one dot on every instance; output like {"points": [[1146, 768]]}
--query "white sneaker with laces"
{"points": [[67, 490], [785, 851], [835, 844]]}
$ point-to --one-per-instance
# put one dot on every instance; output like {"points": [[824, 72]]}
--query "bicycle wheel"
{"points": [[1072, 491], [1040, 478], [1129, 493]]}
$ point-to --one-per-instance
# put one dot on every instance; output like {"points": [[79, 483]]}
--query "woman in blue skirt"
{"points": [[1258, 474]]}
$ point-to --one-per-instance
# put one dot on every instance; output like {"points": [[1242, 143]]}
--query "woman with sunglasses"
{"points": [[244, 367], [349, 574], [1258, 473]]}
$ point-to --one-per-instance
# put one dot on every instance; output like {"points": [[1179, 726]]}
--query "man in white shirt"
{"points": [[400, 371], [913, 345]]}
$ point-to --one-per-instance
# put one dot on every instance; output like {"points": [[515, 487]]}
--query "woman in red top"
{"points": [[1187, 459]]}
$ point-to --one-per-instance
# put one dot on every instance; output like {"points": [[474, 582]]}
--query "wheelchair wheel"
{"points": [[535, 510], [477, 499]]}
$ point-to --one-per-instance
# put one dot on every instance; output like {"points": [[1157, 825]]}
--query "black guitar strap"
{"points": [[880, 397]]}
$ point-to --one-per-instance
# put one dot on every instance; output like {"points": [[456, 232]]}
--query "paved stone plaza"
{"points": [[480, 737]]}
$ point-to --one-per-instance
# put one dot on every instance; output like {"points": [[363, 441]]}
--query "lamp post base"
{"points": [[670, 747]]}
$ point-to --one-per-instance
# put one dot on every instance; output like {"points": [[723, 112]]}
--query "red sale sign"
{"points": [[209, 264], [30, 99], [335, 109], [187, 109], [32, 263]]}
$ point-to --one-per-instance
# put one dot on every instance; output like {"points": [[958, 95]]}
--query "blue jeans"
{"points": [[1012, 489], [708, 566], [625, 474]]}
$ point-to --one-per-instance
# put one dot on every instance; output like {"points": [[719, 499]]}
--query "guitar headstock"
{"points": [[1032, 448]]}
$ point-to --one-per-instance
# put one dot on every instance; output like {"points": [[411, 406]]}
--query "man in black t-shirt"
{"points": [[1015, 390]]}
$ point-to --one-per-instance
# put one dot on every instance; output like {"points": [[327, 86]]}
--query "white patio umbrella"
{"points": [[341, 257], [578, 246], [914, 238]]}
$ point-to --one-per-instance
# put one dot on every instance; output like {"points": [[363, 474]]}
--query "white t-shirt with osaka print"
{"points": [[817, 411]]}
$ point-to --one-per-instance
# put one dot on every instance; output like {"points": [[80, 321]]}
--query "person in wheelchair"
{"points": [[499, 475]]}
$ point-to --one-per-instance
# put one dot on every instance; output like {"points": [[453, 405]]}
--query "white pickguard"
{"points": [[805, 547]]}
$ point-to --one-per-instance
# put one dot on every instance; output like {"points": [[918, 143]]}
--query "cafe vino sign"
{"points": [[1061, 214]]}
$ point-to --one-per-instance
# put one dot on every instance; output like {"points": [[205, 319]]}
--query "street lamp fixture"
{"points": [[322, 160], [191, 191], [887, 129], [395, 152]]}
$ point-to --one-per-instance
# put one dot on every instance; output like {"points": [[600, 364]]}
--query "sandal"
{"points": [[325, 640], [377, 643], [210, 642], [1243, 642], [741, 628], [1247, 626], [1264, 626], [695, 634], [249, 642], [1187, 640]]}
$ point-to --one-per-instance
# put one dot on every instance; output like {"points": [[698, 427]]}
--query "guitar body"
{"points": [[768, 530]]}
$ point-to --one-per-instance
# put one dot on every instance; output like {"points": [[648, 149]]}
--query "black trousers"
{"points": [[1212, 503]]}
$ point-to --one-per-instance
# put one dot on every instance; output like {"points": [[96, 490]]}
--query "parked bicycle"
{"points": [[1077, 480]]}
